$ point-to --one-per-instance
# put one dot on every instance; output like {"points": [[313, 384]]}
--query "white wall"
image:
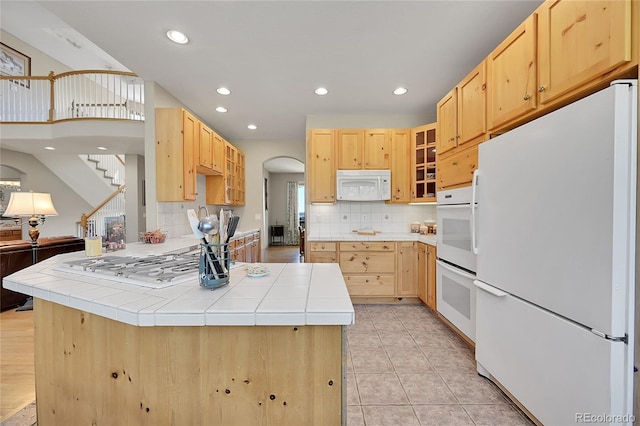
{"points": [[41, 64], [37, 178]]}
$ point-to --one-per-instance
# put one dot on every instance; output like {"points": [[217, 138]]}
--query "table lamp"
{"points": [[34, 205]]}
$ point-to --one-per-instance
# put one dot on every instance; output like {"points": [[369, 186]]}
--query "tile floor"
{"points": [[405, 367]]}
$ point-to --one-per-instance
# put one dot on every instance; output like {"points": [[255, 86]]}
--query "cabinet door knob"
{"points": [[527, 97], [541, 89]]}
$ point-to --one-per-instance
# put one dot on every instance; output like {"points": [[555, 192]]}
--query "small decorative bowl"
{"points": [[256, 269]]}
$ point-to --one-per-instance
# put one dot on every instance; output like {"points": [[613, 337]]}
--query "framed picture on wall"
{"points": [[14, 63]]}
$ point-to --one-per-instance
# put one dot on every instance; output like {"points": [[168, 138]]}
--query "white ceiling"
{"points": [[273, 54]]}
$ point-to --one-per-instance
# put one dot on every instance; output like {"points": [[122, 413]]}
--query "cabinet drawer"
{"points": [[367, 246], [322, 257], [458, 168], [248, 238], [362, 263], [370, 285], [322, 246]]}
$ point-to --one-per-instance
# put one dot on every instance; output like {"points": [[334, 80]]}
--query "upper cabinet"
{"points": [[512, 75], [462, 112], [423, 163], [176, 151], [377, 149], [364, 149], [209, 152], [400, 166], [321, 163], [565, 50], [350, 146], [229, 188], [579, 41]]}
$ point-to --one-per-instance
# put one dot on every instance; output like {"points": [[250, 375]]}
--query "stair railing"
{"points": [[73, 95], [96, 222], [112, 167]]}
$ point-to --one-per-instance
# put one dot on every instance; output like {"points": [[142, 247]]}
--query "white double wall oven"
{"points": [[456, 265]]}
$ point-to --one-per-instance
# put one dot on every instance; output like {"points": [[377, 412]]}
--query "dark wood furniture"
{"points": [[277, 233], [18, 254]]}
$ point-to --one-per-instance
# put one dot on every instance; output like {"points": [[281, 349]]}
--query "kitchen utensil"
{"points": [[206, 226], [194, 221], [231, 229]]}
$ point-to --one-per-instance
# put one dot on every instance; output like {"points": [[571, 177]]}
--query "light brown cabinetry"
{"points": [[321, 252], [427, 274], [512, 69], [321, 179], [401, 166], [176, 151], [407, 271], [368, 268], [246, 248], [210, 153], [363, 149], [422, 272], [228, 188], [462, 112], [431, 276], [423, 163], [579, 41], [456, 170], [565, 50], [377, 149], [350, 146]]}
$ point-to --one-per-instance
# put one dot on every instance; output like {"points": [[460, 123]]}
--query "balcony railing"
{"points": [[70, 96]]}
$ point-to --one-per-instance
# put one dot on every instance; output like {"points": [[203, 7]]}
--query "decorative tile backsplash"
{"points": [[346, 216]]}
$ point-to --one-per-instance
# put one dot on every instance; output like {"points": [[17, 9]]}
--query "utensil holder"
{"points": [[214, 265]]}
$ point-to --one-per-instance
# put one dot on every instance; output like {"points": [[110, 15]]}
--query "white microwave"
{"points": [[363, 185]]}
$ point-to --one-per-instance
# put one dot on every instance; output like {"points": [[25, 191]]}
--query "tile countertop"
{"points": [[290, 294], [383, 236]]}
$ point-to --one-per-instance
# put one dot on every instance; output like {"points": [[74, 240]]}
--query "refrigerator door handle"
{"points": [[474, 184], [489, 289]]}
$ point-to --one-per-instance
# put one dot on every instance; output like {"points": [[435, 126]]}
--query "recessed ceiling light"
{"points": [[102, 148], [177, 37], [252, 127], [321, 91], [50, 148], [221, 109], [223, 91], [400, 91]]}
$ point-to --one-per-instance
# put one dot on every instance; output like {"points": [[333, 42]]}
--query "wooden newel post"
{"points": [[52, 80]]}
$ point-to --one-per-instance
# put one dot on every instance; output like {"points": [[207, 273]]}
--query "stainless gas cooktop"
{"points": [[155, 271]]}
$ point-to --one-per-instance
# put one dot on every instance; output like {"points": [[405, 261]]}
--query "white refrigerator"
{"points": [[555, 236]]}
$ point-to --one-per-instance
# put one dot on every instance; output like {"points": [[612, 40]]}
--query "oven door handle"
{"points": [[474, 183], [456, 270], [489, 289], [452, 206]]}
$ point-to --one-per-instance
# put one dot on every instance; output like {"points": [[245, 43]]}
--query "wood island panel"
{"points": [[94, 370]]}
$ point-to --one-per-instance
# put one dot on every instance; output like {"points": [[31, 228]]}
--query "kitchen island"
{"points": [[268, 350]]}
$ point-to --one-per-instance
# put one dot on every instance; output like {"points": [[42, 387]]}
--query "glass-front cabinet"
{"points": [[423, 159]]}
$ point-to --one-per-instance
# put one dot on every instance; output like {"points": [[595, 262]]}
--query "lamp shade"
{"points": [[30, 204]]}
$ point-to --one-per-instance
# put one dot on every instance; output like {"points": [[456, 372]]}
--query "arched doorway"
{"points": [[284, 200]]}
